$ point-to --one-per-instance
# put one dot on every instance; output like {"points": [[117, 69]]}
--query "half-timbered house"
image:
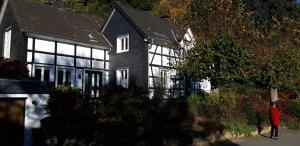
{"points": [[57, 45], [146, 48]]}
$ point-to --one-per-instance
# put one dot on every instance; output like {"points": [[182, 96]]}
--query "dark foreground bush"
{"points": [[70, 117], [125, 118], [138, 120], [13, 69]]}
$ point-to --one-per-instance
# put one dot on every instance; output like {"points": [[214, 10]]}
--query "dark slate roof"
{"points": [[149, 25], [24, 87], [37, 18]]}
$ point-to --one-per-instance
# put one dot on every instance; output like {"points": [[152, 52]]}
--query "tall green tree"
{"points": [[223, 60]]}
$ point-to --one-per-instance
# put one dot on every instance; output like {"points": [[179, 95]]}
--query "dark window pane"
{"points": [[122, 44], [47, 75], [125, 72], [122, 74], [68, 76], [38, 74], [126, 43], [60, 76]]}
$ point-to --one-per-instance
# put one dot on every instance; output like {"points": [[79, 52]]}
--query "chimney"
{"points": [[59, 4]]}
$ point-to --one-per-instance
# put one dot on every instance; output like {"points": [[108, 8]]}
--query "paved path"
{"points": [[286, 138]]}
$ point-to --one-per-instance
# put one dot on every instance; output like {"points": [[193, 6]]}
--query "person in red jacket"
{"points": [[274, 115]]}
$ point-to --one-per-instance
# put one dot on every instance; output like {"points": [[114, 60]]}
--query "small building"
{"points": [[22, 106]]}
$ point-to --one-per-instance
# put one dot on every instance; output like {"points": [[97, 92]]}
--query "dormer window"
{"points": [[123, 44]]}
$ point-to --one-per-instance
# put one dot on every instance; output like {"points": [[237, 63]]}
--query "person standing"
{"points": [[274, 115]]}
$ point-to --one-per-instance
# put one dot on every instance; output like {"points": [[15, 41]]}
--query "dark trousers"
{"points": [[274, 128]]}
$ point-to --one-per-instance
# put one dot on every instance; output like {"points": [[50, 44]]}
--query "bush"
{"points": [[237, 127], [214, 105], [69, 116], [294, 108], [292, 123], [256, 110], [126, 120], [13, 69], [134, 119]]}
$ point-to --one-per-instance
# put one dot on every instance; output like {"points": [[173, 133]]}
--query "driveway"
{"points": [[286, 138]]}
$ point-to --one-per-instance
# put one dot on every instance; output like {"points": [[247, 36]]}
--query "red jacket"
{"points": [[274, 116]]}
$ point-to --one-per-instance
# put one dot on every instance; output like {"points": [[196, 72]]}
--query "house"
{"points": [[147, 48], [58, 46]]}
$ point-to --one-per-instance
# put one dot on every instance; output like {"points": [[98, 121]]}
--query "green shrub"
{"points": [[294, 108], [126, 119], [202, 104], [237, 127], [137, 120], [214, 105], [66, 102], [70, 116], [292, 123]]}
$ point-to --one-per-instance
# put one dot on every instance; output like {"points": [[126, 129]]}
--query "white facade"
{"points": [[59, 62], [162, 61]]}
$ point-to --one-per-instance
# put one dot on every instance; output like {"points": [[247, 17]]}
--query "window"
{"points": [[29, 43], [44, 46], [42, 74], [122, 77], [123, 44], [64, 75], [7, 43], [164, 76]]}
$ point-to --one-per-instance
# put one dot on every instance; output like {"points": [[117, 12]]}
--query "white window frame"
{"points": [[7, 43], [65, 69], [121, 43], [120, 77], [43, 68]]}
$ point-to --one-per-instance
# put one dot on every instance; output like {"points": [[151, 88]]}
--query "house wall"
{"points": [[135, 59], [162, 58], [17, 37], [58, 55]]}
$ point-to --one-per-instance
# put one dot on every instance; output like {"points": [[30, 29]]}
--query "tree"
{"points": [[101, 7], [280, 70], [276, 26], [266, 27], [207, 17], [224, 60]]}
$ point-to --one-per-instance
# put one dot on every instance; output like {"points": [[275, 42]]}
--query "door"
{"points": [[12, 112], [93, 83]]}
